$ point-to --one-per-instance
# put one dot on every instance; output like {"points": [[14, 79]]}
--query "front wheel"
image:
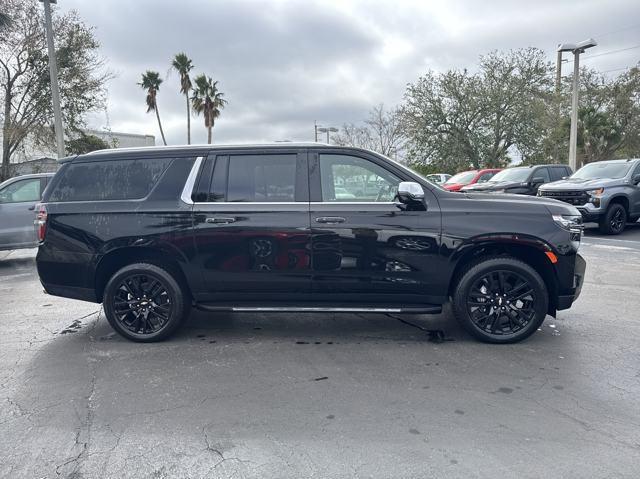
{"points": [[500, 300], [144, 302], [614, 220]]}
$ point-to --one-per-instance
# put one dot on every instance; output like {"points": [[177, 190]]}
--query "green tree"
{"points": [[208, 101], [5, 20], [183, 65], [25, 90], [460, 120], [84, 144], [151, 83]]}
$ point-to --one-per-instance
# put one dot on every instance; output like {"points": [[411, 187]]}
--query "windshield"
{"points": [[463, 178], [593, 171], [511, 174]]}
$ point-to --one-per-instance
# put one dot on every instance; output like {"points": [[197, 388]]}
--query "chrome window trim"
{"points": [[187, 191], [313, 203]]}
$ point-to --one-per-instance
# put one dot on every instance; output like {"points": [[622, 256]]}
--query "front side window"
{"points": [[354, 179], [486, 177], [21, 191], [261, 178], [542, 173], [109, 180]]}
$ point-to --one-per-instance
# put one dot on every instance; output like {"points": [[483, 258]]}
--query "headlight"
{"points": [[597, 192], [572, 224]]}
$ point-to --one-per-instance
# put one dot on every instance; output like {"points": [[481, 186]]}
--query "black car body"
{"points": [[263, 228], [521, 180]]}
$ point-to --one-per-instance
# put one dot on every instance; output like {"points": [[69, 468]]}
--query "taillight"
{"points": [[41, 221]]}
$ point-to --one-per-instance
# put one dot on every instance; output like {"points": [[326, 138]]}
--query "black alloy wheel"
{"points": [[614, 220], [144, 302], [500, 300]]}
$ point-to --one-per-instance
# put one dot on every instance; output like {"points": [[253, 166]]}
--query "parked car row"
{"points": [[605, 192]]}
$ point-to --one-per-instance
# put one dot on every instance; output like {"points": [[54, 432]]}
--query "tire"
{"points": [[139, 317], [614, 220], [496, 310]]}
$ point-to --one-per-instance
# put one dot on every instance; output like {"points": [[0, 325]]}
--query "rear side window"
{"points": [[21, 191], [261, 178], [109, 180]]}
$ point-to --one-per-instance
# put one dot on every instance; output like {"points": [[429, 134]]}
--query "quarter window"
{"points": [[21, 191], [109, 180], [351, 178]]}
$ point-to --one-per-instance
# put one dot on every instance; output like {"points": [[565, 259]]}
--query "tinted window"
{"points": [[109, 180], [261, 178], [486, 177], [21, 191], [542, 173], [557, 173], [350, 178]]}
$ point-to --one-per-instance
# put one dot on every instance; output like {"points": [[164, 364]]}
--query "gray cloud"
{"points": [[284, 64]]}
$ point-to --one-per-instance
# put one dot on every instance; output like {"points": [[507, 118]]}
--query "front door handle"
{"points": [[31, 208], [220, 221], [330, 219]]}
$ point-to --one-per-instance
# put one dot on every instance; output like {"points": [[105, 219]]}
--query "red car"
{"points": [[469, 178]]}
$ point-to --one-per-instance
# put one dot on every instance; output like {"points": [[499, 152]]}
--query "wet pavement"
{"points": [[291, 396]]}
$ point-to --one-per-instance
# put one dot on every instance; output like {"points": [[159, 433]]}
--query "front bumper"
{"points": [[564, 301]]}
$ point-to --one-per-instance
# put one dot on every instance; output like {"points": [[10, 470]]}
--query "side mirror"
{"points": [[537, 180], [409, 192], [635, 180]]}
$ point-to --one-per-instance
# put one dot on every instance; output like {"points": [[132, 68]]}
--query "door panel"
{"points": [[252, 233], [17, 202], [365, 246]]}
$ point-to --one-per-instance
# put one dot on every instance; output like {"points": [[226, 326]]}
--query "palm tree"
{"points": [[151, 82], [207, 99], [183, 65]]}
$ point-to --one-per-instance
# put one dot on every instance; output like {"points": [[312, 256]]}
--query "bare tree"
{"points": [[381, 132]]}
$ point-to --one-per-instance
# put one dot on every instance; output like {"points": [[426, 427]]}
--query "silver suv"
{"points": [[606, 192], [18, 198]]}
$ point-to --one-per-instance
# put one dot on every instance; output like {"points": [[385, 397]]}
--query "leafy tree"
{"points": [[183, 65], [208, 100], [460, 120], [382, 131], [85, 143], [5, 20], [25, 90], [151, 83]]}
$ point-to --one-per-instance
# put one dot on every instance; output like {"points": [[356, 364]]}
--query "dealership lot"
{"points": [[247, 395]]}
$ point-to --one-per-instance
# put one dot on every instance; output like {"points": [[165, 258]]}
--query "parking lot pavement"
{"points": [[247, 395]]}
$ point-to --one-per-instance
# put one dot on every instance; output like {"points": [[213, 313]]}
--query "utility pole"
{"points": [[53, 72], [315, 127], [576, 49], [573, 135], [558, 71]]}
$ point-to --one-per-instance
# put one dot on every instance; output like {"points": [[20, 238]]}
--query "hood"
{"points": [[554, 206], [580, 184], [492, 186]]}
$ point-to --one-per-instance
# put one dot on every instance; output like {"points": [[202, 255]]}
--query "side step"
{"points": [[319, 308]]}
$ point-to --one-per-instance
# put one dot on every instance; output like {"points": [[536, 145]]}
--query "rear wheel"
{"points": [[500, 300], [144, 302], [614, 220]]}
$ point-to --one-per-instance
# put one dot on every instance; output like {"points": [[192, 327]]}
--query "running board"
{"points": [[413, 309]]}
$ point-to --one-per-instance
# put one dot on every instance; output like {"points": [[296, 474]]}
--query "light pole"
{"points": [[577, 49], [326, 130], [53, 72]]}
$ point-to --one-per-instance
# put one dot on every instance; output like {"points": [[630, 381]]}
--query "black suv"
{"points": [[521, 180], [151, 233]]}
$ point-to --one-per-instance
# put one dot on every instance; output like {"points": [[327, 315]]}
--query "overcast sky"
{"points": [[284, 64]]}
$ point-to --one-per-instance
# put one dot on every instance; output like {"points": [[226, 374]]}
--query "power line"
{"points": [[606, 34], [587, 57]]}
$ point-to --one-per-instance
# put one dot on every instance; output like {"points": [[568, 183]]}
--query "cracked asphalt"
{"points": [[292, 396]]}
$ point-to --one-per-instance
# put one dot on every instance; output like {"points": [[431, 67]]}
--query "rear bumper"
{"points": [[564, 301]]}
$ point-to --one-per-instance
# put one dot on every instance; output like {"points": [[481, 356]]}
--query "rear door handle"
{"points": [[220, 221], [330, 219]]}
